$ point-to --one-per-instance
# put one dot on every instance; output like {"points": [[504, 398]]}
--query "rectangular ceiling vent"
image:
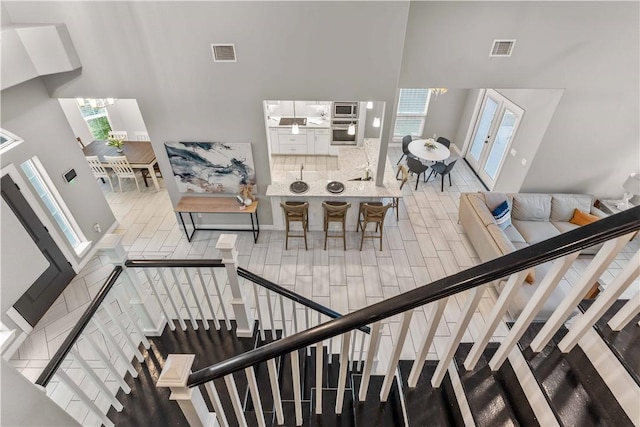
{"points": [[502, 48], [224, 52]]}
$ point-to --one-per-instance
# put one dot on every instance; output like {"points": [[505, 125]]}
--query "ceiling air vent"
{"points": [[224, 52], [502, 48]]}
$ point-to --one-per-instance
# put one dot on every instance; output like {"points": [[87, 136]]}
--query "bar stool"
{"points": [[396, 200], [335, 212], [373, 212], [296, 212]]}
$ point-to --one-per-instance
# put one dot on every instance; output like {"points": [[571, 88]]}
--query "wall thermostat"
{"points": [[70, 175]]}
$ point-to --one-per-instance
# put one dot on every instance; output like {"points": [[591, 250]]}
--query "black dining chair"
{"points": [[444, 141], [406, 140], [443, 169], [416, 166]]}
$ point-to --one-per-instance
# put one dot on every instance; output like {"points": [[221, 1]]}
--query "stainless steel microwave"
{"points": [[345, 110]]}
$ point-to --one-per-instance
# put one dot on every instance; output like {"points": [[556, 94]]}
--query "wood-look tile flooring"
{"points": [[425, 244]]}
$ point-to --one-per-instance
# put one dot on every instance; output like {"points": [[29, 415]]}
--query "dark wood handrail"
{"points": [[185, 263], [539, 253], [261, 281], [71, 339]]}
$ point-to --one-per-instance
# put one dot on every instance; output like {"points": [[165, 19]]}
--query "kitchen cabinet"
{"points": [[321, 141], [274, 141], [289, 143], [308, 141]]}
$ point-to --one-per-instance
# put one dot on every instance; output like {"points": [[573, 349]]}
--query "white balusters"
{"points": [[217, 405], [282, 318], [271, 320], [155, 292], [244, 322], [235, 400], [126, 309], [176, 310], [205, 322], [506, 295], [97, 381], [593, 271], [275, 390], [185, 301], [79, 392], [344, 365], [395, 355], [368, 364], [604, 301], [360, 353], [259, 311], [470, 305], [125, 333], [113, 345], [255, 395], [208, 298], [107, 363], [545, 288], [626, 313], [319, 368], [219, 293], [432, 324], [297, 385]]}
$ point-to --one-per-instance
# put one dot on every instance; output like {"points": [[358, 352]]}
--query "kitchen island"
{"points": [[351, 166]]}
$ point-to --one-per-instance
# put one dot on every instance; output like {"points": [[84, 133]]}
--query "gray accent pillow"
{"points": [[531, 207], [563, 205]]}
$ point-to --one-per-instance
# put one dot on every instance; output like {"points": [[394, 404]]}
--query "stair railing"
{"points": [[613, 232]]}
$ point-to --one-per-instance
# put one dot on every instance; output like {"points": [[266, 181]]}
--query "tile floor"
{"points": [[425, 244]]}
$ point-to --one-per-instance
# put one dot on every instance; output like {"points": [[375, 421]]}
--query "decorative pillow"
{"points": [[502, 215], [531, 277], [582, 218]]}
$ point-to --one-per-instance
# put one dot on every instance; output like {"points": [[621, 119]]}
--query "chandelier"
{"points": [[95, 102], [438, 90]]}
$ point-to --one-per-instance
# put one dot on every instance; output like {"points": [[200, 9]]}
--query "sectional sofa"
{"points": [[533, 218]]}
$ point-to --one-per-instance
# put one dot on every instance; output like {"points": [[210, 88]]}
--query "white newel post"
{"points": [[244, 322], [152, 321], [174, 375]]}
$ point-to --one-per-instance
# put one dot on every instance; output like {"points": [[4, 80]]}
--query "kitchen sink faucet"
{"points": [[301, 167]]}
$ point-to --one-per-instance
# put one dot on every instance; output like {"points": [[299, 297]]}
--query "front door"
{"points": [[50, 284], [493, 134]]}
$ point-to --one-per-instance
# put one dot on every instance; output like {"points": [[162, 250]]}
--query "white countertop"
{"points": [[350, 163], [312, 123]]}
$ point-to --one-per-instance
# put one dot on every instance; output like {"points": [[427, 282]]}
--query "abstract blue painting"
{"points": [[211, 167]]}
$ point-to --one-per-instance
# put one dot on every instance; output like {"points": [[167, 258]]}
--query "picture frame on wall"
{"points": [[211, 167]]}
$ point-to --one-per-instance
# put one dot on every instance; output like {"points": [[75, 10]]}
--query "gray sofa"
{"points": [[534, 217]]}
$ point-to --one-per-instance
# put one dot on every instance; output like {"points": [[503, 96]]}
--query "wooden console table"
{"points": [[226, 205]]}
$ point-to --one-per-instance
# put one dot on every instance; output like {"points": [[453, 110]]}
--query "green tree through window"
{"points": [[97, 120]]}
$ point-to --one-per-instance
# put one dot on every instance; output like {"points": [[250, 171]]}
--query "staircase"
{"points": [[572, 388], [286, 360]]}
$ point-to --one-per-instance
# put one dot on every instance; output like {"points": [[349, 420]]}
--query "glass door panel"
{"points": [[487, 114], [500, 144]]}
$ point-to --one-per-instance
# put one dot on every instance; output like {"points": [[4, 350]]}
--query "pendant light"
{"points": [[351, 130], [369, 105], [376, 119], [295, 129]]}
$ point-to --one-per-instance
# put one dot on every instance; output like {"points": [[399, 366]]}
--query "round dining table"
{"points": [[418, 149]]}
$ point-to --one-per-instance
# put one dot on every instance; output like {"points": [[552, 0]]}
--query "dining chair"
{"points": [[145, 174], [98, 170], [122, 169], [335, 212], [406, 140], [296, 212], [372, 214], [443, 169], [444, 141], [142, 136], [395, 203], [416, 166], [119, 134]]}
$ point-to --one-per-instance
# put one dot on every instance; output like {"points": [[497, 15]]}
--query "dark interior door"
{"points": [[47, 288]]}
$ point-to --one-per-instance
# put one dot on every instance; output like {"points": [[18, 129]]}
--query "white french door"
{"points": [[496, 125]]}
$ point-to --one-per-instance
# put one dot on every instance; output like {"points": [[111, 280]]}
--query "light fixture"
{"points": [[351, 130], [376, 122], [438, 91], [369, 105], [632, 188], [96, 102], [295, 129]]}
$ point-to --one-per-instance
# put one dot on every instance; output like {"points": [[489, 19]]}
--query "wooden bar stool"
{"points": [[396, 200], [296, 212], [335, 212], [373, 212]]}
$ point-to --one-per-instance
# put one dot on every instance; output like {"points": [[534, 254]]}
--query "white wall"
{"points": [[24, 405], [76, 121], [443, 116], [590, 49], [125, 115], [286, 50]]}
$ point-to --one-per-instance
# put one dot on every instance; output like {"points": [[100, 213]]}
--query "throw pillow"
{"points": [[582, 218], [502, 215], [531, 277]]}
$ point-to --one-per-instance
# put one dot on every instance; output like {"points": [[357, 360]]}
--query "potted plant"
{"points": [[113, 141]]}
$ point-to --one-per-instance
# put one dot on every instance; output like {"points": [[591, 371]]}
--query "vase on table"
{"points": [[120, 150]]}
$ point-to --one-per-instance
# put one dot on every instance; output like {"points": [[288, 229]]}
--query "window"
{"points": [[97, 119], [8, 141], [43, 187], [412, 112]]}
